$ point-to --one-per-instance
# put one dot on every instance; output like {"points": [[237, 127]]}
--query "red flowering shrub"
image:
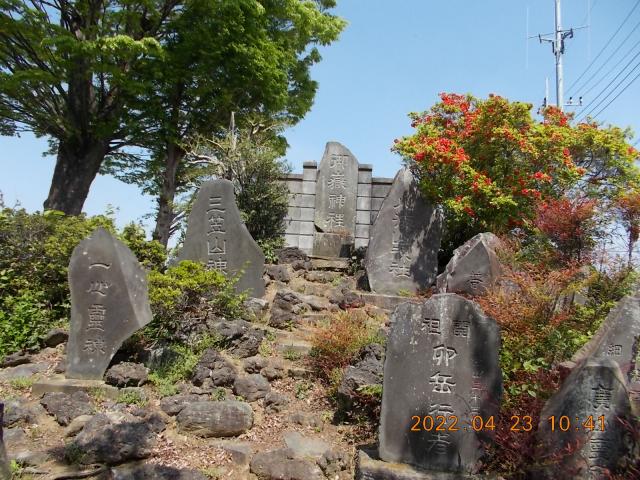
{"points": [[628, 206], [570, 224], [490, 164]]}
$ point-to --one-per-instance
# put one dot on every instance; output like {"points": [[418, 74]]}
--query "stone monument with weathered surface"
{"points": [[217, 237], [585, 429], [109, 302], [618, 339], [440, 373], [474, 267], [404, 243], [5, 471], [335, 201]]}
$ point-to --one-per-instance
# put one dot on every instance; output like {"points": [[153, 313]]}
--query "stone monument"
{"points": [[582, 431], [442, 383], [5, 471], [335, 201], [217, 237], [404, 243], [473, 268], [109, 302]]}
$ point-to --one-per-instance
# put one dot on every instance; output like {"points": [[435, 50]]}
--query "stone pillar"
{"points": [[299, 227]]}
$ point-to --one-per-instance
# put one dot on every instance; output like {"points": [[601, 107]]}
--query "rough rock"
{"points": [[76, 425], [302, 446], [5, 470], [295, 257], [279, 273], [216, 419], [55, 337], [275, 402], [333, 462], [282, 465], [255, 364], [242, 337], [474, 267], [22, 371], [105, 440], [213, 365], [127, 374], [65, 407], [153, 471], [321, 277], [366, 371], [304, 419], [19, 412], [15, 359], [252, 387], [174, 404]]}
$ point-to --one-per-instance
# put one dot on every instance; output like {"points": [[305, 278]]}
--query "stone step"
{"points": [[313, 318], [295, 346], [386, 302], [327, 263]]}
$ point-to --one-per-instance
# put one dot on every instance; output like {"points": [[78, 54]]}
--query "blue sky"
{"points": [[394, 58]]}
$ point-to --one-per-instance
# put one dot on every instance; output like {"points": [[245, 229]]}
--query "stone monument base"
{"points": [[370, 467], [71, 385], [332, 245]]}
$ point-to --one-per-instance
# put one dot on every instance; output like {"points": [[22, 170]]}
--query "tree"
{"points": [[490, 164], [244, 56], [628, 206], [65, 73], [112, 74]]}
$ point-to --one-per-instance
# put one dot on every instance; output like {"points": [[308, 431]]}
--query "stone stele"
{"points": [[405, 239], [217, 237], [575, 445], [109, 302], [337, 192], [618, 338], [473, 268], [441, 369]]}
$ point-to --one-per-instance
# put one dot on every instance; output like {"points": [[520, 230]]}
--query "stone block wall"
{"points": [[299, 222]]}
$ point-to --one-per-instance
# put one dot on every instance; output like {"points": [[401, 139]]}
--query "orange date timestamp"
{"points": [[518, 423]]}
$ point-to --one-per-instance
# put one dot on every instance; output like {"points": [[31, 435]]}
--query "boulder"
{"points": [[55, 337], [367, 370], [275, 402], [295, 257], [15, 359], [279, 273], [5, 470], [174, 404], [65, 407], [127, 374], [214, 365], [152, 471], [283, 465], [19, 412], [243, 338], [216, 419], [302, 446], [252, 387], [107, 440]]}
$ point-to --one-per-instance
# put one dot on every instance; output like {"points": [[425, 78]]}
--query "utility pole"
{"points": [[557, 46]]}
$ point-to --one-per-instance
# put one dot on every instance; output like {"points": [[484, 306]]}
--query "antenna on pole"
{"points": [[557, 39]]}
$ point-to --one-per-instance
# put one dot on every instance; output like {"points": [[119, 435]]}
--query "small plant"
{"points": [[266, 348], [219, 394], [404, 293], [302, 389], [22, 383], [291, 354], [132, 397], [73, 454], [97, 393], [374, 390], [213, 473]]}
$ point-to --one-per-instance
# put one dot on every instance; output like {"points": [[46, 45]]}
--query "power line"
{"points": [[620, 92], [605, 46], [607, 61], [612, 69]]}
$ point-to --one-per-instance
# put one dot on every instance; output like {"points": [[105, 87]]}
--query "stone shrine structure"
{"points": [[333, 205], [217, 237], [405, 239], [109, 302], [441, 369]]}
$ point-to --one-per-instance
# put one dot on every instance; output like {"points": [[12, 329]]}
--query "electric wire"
{"points": [[605, 46], [619, 93]]}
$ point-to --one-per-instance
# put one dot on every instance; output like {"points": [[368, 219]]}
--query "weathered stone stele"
{"points": [[109, 302], [441, 360], [474, 267], [595, 391], [217, 237], [404, 243], [5, 471], [618, 338], [336, 197]]}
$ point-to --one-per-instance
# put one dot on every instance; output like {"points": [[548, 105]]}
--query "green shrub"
{"points": [[269, 247], [150, 253], [188, 291]]}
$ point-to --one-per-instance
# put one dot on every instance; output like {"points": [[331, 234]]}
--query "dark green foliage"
{"points": [[188, 293], [34, 257]]}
